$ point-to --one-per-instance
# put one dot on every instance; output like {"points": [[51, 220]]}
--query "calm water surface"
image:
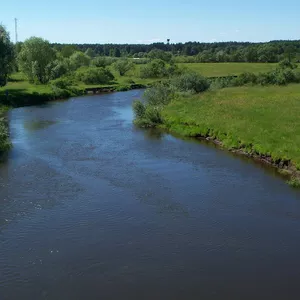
{"points": [[92, 208]]}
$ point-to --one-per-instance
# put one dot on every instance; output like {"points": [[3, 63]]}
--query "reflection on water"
{"points": [[92, 206], [37, 124]]}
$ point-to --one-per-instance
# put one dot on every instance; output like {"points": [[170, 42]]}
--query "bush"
{"points": [[245, 78], [154, 69], [278, 77], [94, 75], [122, 66], [138, 109], [4, 137], [149, 114], [59, 93], [62, 83], [222, 82], [266, 78], [159, 95], [287, 64], [79, 59], [294, 182], [160, 54], [191, 81], [146, 115], [103, 61], [153, 115]]}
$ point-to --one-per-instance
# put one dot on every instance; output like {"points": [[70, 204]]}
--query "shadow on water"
{"points": [[154, 133], [151, 133], [33, 125]]}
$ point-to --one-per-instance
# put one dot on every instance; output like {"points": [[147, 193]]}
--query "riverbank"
{"points": [[260, 122], [19, 92], [5, 143]]}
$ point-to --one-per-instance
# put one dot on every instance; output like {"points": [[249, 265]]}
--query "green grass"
{"points": [[227, 69], [261, 119]]}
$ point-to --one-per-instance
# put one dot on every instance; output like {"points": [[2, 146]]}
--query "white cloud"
{"points": [[150, 41]]}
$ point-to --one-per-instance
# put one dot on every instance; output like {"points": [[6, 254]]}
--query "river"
{"points": [[93, 208]]}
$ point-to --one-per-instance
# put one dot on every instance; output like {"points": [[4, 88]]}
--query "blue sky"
{"points": [[133, 21]]}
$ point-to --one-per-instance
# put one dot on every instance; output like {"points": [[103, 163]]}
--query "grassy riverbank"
{"points": [[21, 92], [259, 120], [4, 136]]}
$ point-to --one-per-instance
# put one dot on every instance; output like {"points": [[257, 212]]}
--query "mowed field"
{"points": [[263, 119], [228, 69]]}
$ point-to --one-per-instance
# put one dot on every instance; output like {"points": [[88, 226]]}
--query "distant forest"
{"points": [[273, 51]]}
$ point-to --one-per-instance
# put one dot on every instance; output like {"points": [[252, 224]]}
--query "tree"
{"points": [[6, 56], [35, 59], [94, 75], [79, 59], [160, 54], [122, 66], [117, 52], [68, 50], [90, 52], [155, 69]]}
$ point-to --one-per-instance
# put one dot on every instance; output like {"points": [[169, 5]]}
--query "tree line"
{"points": [[273, 51]]}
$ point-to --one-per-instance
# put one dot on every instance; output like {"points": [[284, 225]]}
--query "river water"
{"points": [[93, 208]]}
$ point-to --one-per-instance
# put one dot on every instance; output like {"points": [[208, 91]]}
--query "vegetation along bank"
{"points": [[255, 115]]}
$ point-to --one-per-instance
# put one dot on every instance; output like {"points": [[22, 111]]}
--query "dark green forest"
{"points": [[273, 51]]}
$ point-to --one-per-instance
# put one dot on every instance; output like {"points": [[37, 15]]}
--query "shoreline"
{"points": [[284, 168], [15, 98]]}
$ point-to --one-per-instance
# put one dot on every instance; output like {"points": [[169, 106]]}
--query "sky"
{"points": [[133, 21]]}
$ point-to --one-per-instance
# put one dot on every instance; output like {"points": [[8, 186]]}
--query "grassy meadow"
{"points": [[261, 119], [228, 69]]}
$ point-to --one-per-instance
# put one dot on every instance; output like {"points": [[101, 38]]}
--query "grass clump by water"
{"points": [[5, 144], [294, 182]]}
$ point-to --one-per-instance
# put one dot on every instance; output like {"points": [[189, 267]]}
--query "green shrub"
{"points": [[94, 75], [62, 83], [148, 112], [79, 59], [103, 61], [284, 64], [266, 78], [222, 82], [59, 93], [155, 69], [4, 137], [160, 54], [294, 182], [159, 95], [122, 66], [153, 115], [245, 78], [191, 82], [138, 109]]}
